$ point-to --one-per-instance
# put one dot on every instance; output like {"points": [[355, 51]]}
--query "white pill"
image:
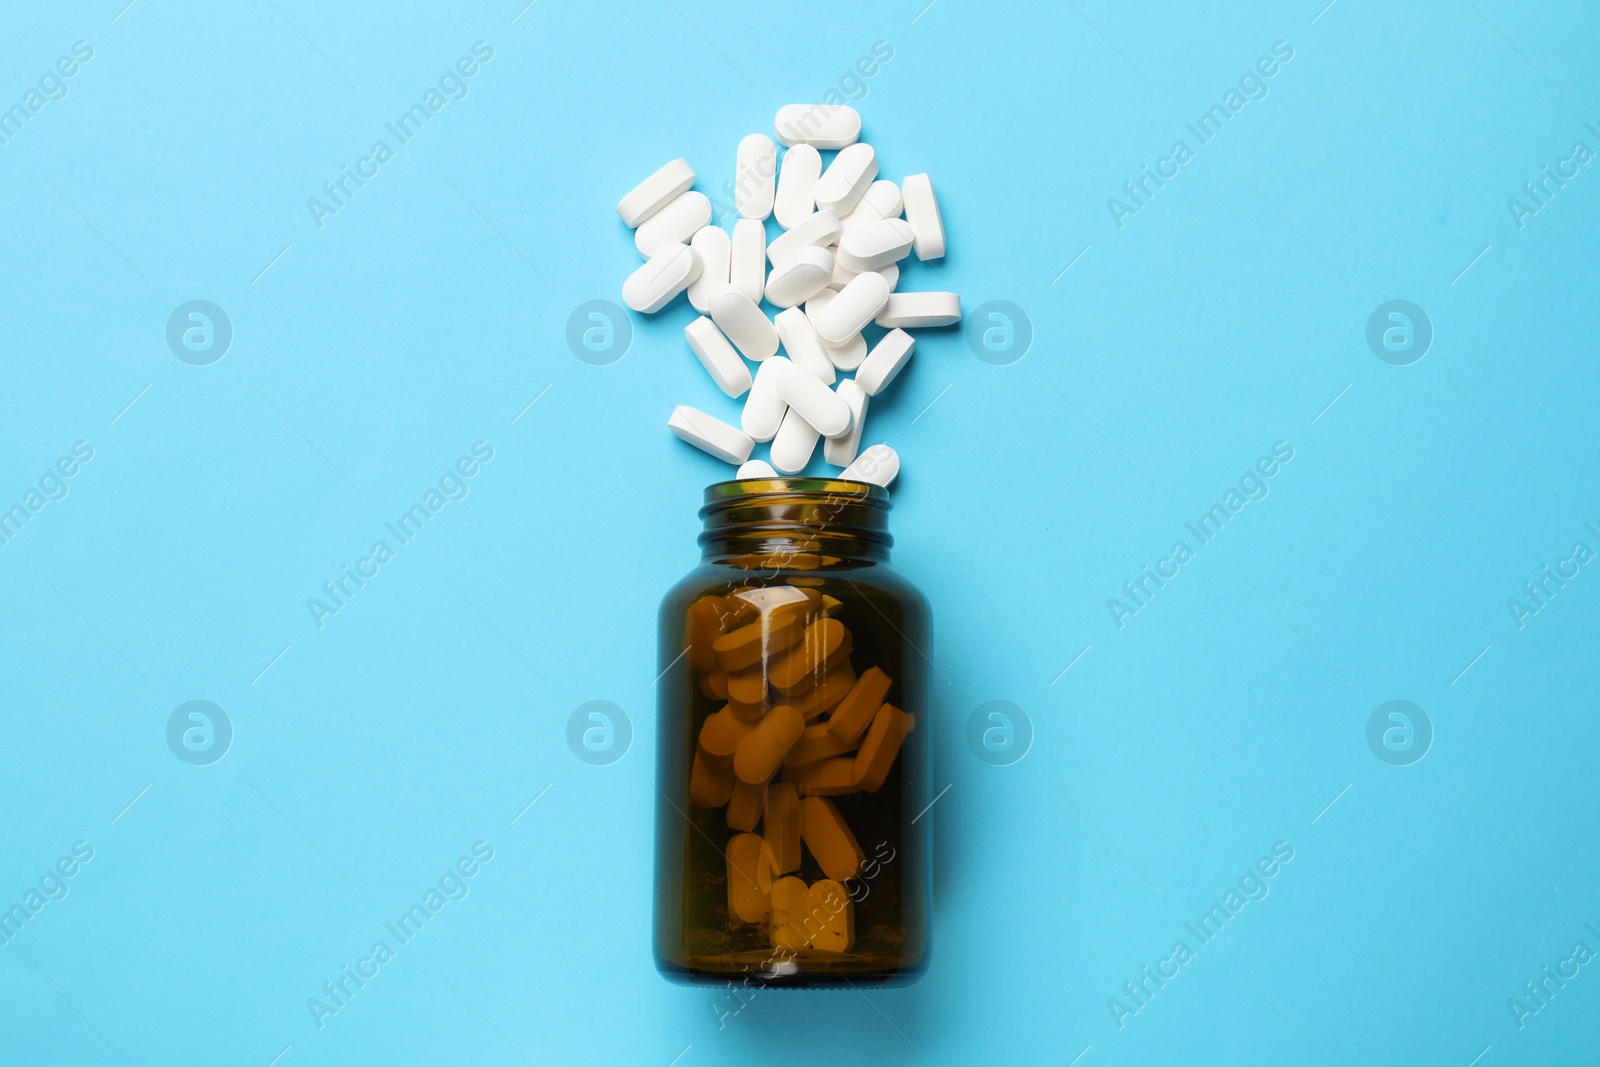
{"points": [[718, 356], [922, 212], [797, 184], [880, 201], [821, 228], [878, 465], [841, 275], [710, 434], [764, 407], [800, 277], [818, 125], [755, 468], [744, 323], [800, 340], [711, 244], [849, 355], [747, 262], [876, 244], [661, 277], [841, 186], [674, 224], [815, 402], [754, 175], [792, 447], [852, 308], [841, 450], [655, 192], [887, 358], [920, 309]]}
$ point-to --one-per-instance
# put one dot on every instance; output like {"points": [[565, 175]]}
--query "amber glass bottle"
{"points": [[792, 746]]}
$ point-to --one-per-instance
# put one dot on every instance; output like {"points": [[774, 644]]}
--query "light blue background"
{"points": [[370, 353]]}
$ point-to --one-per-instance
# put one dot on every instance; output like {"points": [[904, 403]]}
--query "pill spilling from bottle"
{"points": [[832, 272]]}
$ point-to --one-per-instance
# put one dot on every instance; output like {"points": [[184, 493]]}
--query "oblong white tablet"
{"points": [[815, 402], [795, 198], [853, 307], [711, 244], [718, 356], [841, 450], [710, 434], [818, 125], [755, 173], [842, 276], [744, 323], [800, 277], [764, 407], [821, 228], [877, 465], [660, 278], [845, 181], [922, 212], [800, 340], [880, 201], [886, 360], [849, 355], [919, 309], [792, 447], [755, 468], [674, 224], [655, 192], [747, 262], [876, 244]]}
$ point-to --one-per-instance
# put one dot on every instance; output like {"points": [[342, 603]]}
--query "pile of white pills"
{"points": [[830, 273]]}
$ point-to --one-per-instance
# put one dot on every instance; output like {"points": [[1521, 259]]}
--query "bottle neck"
{"points": [[795, 523]]}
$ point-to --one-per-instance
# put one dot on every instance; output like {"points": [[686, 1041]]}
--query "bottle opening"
{"points": [[795, 523]]}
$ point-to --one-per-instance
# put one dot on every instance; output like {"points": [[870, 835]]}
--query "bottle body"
{"points": [[792, 841]]}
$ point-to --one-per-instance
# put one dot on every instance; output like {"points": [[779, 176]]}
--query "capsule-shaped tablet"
{"points": [[797, 183], [829, 839], [852, 308], [845, 181], [922, 212], [780, 825], [828, 693], [749, 878], [880, 201], [744, 805], [849, 355], [800, 277], [714, 683], [825, 643], [662, 277], [655, 192], [711, 244], [709, 786], [854, 713], [791, 901], [841, 450], [747, 258], [795, 441], [830, 924], [721, 735], [816, 743], [773, 632], [717, 356], [818, 125], [877, 244], [830, 777], [820, 406], [820, 229], [920, 309], [879, 748], [702, 625], [886, 360], [748, 686], [710, 434], [760, 754], [745, 324], [800, 340], [764, 407], [674, 224], [755, 468], [842, 277], [755, 174], [878, 465]]}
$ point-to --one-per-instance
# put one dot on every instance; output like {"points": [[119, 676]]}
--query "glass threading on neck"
{"points": [[799, 523]]}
